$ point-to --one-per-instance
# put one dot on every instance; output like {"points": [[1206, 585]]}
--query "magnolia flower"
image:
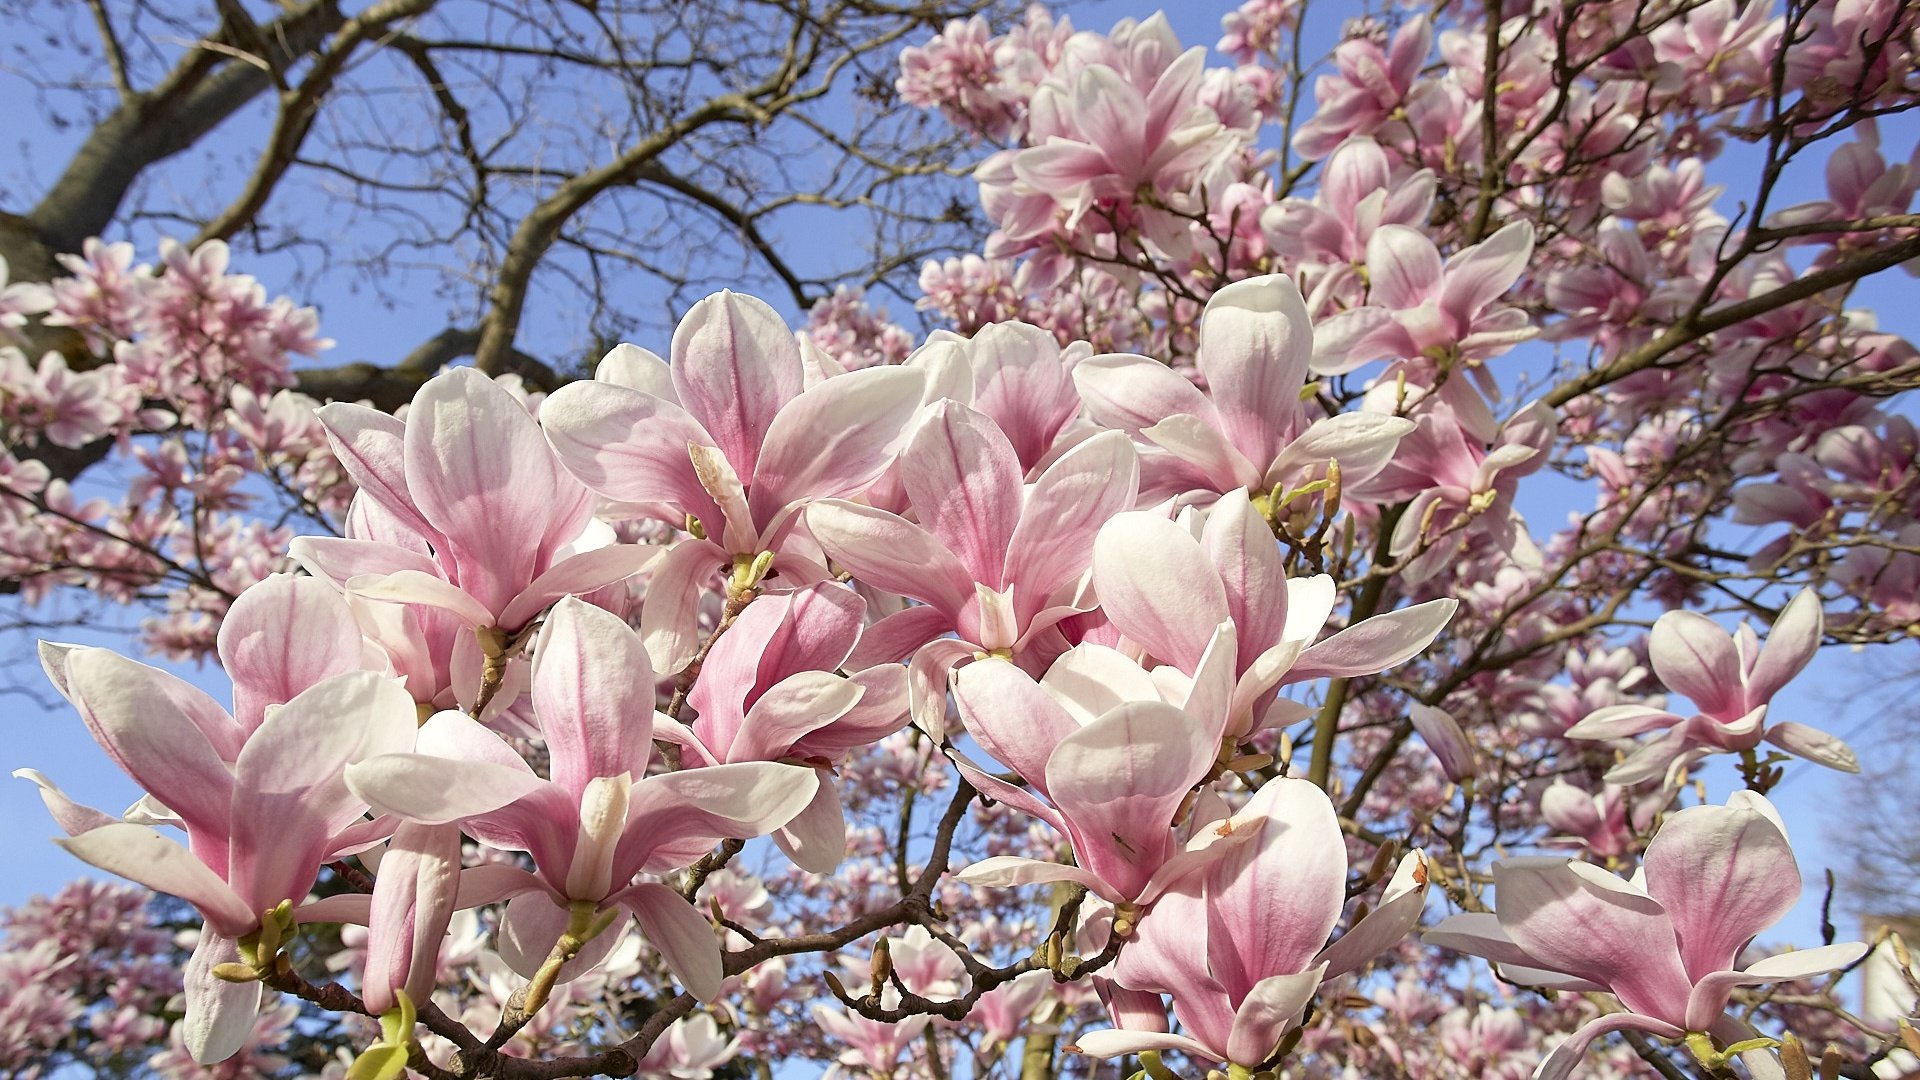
{"points": [[433, 649], [1002, 1012], [1242, 945], [1017, 375], [690, 1049], [1368, 85], [19, 300], [1357, 195], [1597, 822], [1731, 679], [768, 692], [1420, 306], [601, 820], [1115, 781], [1168, 590], [1460, 471], [1249, 429], [261, 798], [496, 524], [993, 560], [1667, 943], [728, 440], [872, 1046]]}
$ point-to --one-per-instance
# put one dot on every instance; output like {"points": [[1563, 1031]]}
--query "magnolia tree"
{"points": [[1150, 669]]}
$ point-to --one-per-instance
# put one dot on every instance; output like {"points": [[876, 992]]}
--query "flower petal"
{"points": [[576, 575], [1119, 781], [962, 476], [670, 618], [735, 364], [1723, 874], [834, 441], [156, 728], [888, 552], [1791, 643], [816, 838], [219, 1014], [1813, 744], [592, 693], [1113, 1043], [481, 473], [142, 855], [1133, 393], [1693, 656], [628, 446], [1156, 584], [1270, 1008], [1074, 497], [1383, 927], [1577, 918], [1375, 644], [1560, 1063], [1011, 717], [289, 792], [281, 636], [685, 940], [1255, 344], [532, 925], [1266, 930]]}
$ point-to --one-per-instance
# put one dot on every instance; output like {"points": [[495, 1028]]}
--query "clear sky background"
{"points": [[1851, 694]]}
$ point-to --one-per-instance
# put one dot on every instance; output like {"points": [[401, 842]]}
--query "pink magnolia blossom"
{"points": [[1242, 955], [1460, 473], [1101, 132], [429, 646], [1018, 376], [1714, 44], [261, 797], [102, 297], [1666, 202], [853, 333], [993, 560], [468, 478], [1595, 821], [1369, 85], [1003, 1011], [768, 692], [1667, 943], [1249, 429], [1254, 29], [68, 408], [1357, 194], [1113, 761], [1167, 590], [957, 73], [19, 300], [873, 1047], [729, 438], [1731, 679], [1423, 308], [690, 1049], [601, 820]]}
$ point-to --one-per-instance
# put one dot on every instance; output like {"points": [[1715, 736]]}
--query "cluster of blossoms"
{"points": [[183, 372], [1107, 602], [890, 700], [85, 978]]}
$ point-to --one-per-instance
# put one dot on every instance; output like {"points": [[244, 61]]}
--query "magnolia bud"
{"points": [[1443, 736]]}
